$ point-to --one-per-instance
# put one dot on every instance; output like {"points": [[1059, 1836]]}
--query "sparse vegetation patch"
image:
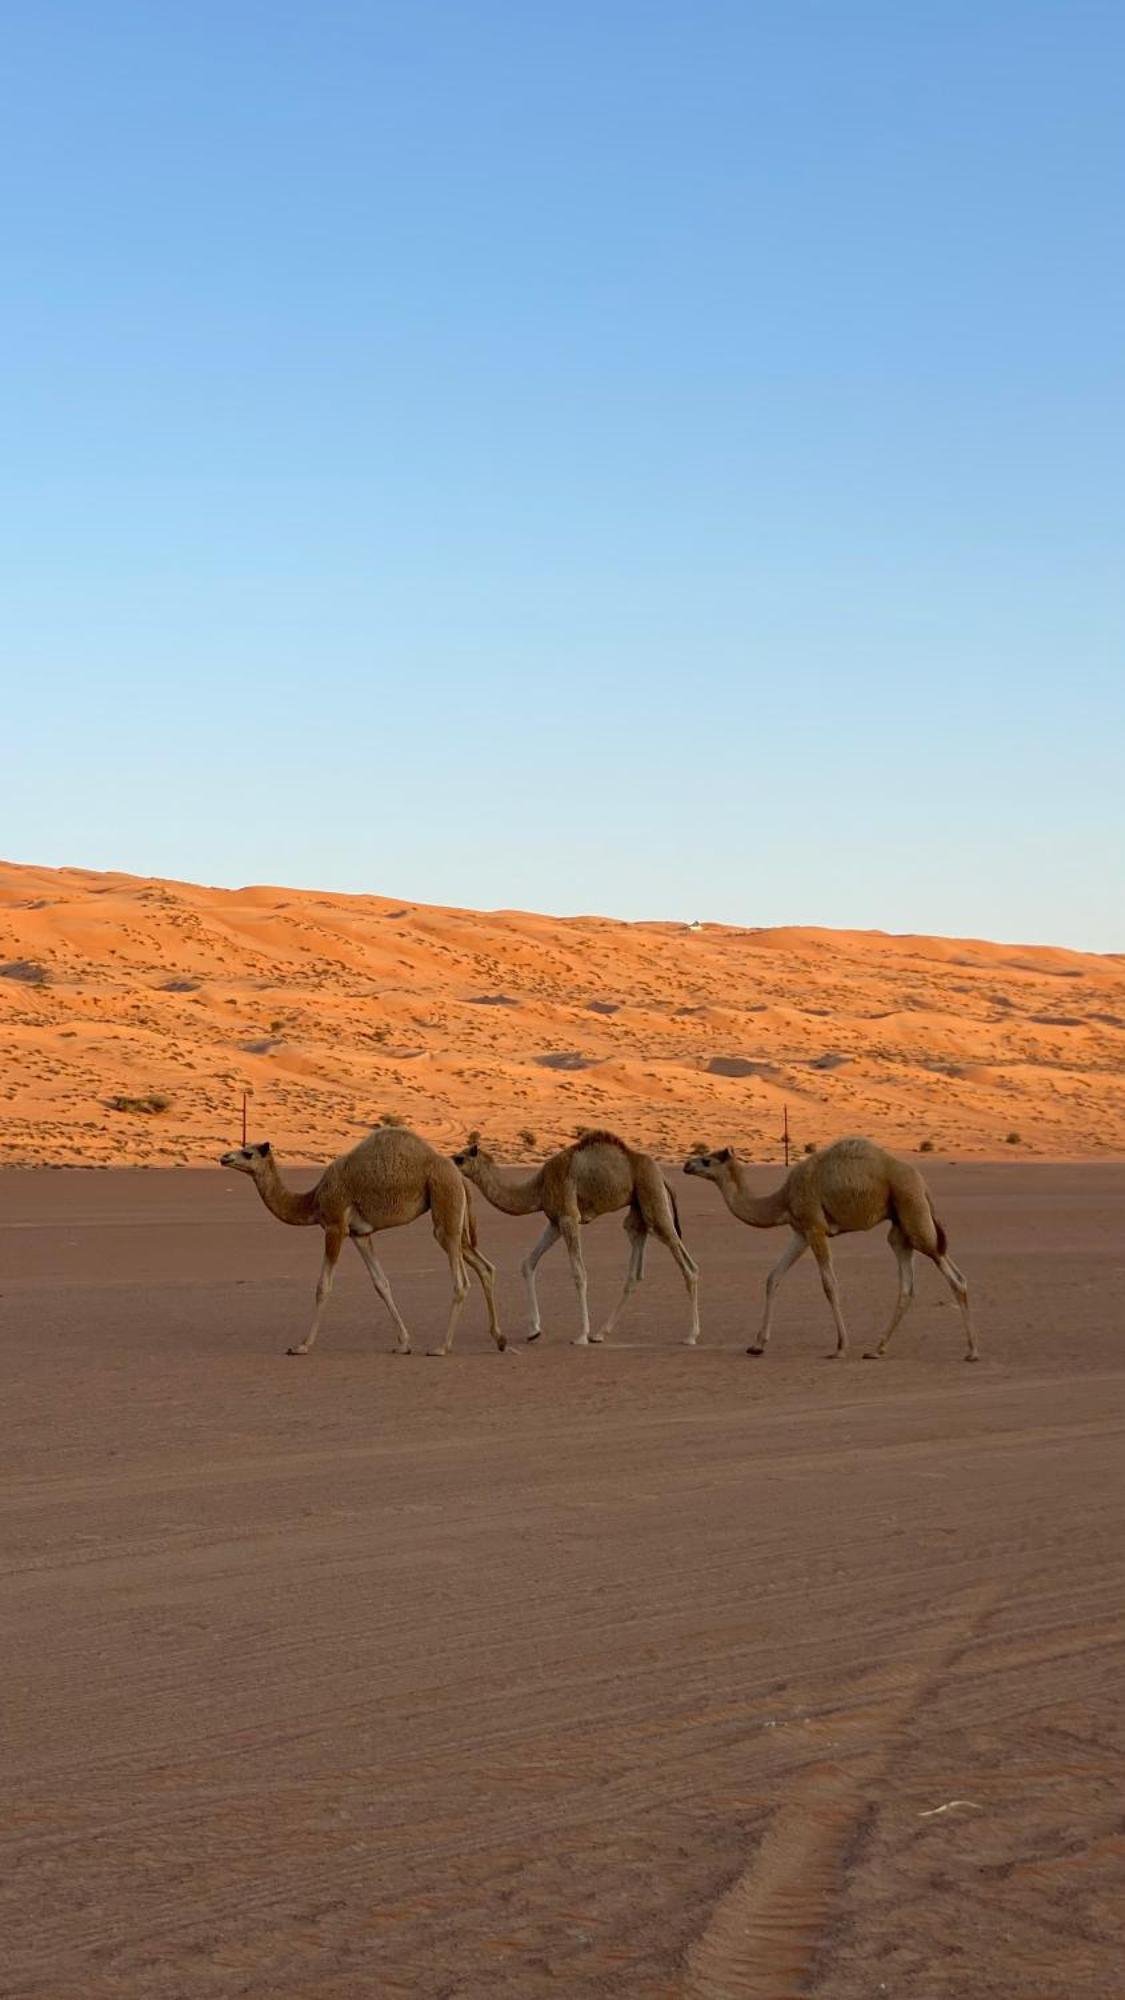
{"points": [[27, 970]]}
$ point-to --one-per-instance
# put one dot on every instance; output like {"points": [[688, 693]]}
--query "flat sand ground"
{"points": [[623, 1672]]}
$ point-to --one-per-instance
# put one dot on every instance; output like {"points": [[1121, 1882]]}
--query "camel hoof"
{"points": [[296, 1350], [872, 1354], [757, 1352], [583, 1340], [972, 1357], [400, 1350], [437, 1353], [501, 1342], [690, 1339], [597, 1339], [535, 1335]]}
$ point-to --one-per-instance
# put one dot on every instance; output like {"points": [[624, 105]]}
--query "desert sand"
{"points": [[338, 1010], [625, 1674]]}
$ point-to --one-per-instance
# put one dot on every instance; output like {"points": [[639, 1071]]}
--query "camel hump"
{"points": [[854, 1152], [394, 1169], [600, 1138], [392, 1142]]}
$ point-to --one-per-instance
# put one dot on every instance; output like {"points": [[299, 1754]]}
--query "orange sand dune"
{"points": [[335, 1011]]}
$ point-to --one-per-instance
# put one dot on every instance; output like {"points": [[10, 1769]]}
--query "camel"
{"points": [[597, 1176], [390, 1178], [850, 1186]]}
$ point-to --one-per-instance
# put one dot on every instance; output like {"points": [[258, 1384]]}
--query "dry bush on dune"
{"points": [[148, 1107], [26, 970]]}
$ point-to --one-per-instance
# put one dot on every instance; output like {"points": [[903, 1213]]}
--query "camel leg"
{"points": [[453, 1250], [904, 1256], [958, 1285], [638, 1237], [486, 1272], [796, 1248], [333, 1244], [381, 1283], [569, 1229], [689, 1272], [821, 1249], [539, 1249]]}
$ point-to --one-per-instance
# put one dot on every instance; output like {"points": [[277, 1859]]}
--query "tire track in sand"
{"points": [[766, 1933]]}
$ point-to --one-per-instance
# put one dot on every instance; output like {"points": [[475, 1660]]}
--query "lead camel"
{"points": [[392, 1177]]}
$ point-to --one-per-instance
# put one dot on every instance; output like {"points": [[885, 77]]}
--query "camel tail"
{"points": [[912, 1222], [469, 1233], [675, 1213]]}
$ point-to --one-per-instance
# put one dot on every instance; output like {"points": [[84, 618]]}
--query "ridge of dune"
{"points": [[336, 1010]]}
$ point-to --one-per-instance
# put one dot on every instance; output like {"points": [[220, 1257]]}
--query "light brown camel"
{"points": [[390, 1178], [850, 1186], [596, 1176]]}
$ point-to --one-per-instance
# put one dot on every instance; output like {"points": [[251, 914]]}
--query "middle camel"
{"points": [[598, 1175]]}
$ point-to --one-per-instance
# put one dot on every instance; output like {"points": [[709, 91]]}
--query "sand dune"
{"points": [[334, 1011]]}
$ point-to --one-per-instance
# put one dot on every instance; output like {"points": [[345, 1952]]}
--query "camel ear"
{"points": [[726, 1154], [264, 1148]]}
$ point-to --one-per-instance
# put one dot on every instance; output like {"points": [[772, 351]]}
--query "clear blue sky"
{"points": [[664, 457]]}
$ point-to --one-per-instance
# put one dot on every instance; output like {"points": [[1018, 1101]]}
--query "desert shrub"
{"points": [[810, 1145], [472, 1138], [698, 1148], [1013, 1139], [528, 1138], [926, 1146], [26, 970], [148, 1107], [276, 1027], [390, 1118]]}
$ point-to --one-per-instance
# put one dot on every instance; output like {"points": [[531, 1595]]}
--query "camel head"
{"points": [[470, 1157], [710, 1166], [247, 1159]]}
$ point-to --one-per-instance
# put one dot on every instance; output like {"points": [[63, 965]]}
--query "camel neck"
{"points": [[298, 1209], [761, 1211], [510, 1197]]}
